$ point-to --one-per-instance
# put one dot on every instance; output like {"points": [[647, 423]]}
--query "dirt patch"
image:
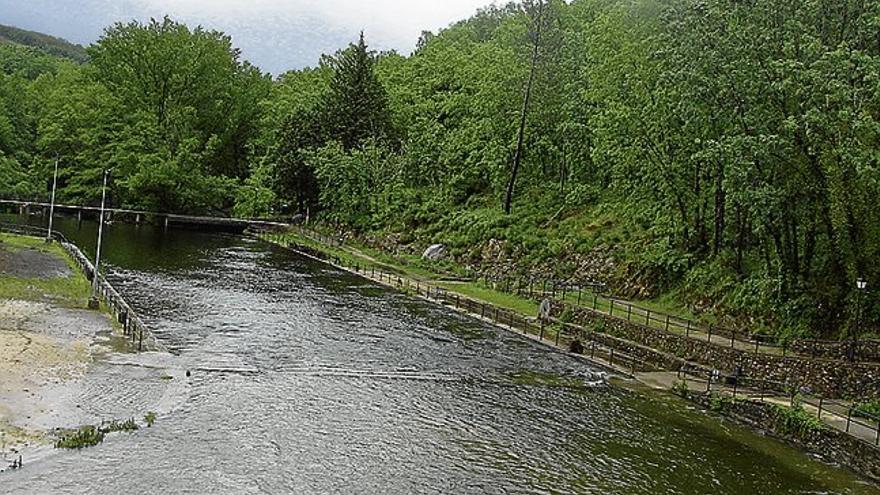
{"points": [[31, 263], [40, 346]]}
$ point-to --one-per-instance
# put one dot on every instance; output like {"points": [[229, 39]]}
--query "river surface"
{"points": [[308, 380]]}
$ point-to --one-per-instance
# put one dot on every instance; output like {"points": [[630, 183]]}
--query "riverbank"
{"points": [[56, 355], [491, 305]]}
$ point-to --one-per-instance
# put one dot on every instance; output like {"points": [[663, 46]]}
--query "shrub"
{"points": [[86, 436], [870, 409], [796, 421], [150, 418], [680, 388]]}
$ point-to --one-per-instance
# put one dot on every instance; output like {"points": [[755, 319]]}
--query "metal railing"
{"points": [[838, 414], [590, 296], [560, 335], [132, 325]]}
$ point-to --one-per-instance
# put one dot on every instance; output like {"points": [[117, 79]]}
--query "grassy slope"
{"points": [[544, 238], [70, 291]]}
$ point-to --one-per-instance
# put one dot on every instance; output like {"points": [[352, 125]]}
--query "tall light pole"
{"points": [[52, 201], [861, 285], [93, 301]]}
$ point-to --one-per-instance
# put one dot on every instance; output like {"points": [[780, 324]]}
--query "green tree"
{"points": [[355, 107]]}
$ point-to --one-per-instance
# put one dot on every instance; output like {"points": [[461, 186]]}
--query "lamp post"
{"points": [[52, 201], [93, 301], [861, 285]]}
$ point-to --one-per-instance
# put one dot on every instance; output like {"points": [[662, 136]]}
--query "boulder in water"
{"points": [[435, 252]]}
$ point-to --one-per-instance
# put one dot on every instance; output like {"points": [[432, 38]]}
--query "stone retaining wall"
{"points": [[832, 445], [827, 378]]}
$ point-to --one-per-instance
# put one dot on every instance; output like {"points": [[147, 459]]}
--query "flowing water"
{"points": [[310, 380]]}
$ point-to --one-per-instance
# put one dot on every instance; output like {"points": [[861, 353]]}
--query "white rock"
{"points": [[435, 252]]}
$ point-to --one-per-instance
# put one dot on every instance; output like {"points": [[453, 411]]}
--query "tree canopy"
{"points": [[725, 152]]}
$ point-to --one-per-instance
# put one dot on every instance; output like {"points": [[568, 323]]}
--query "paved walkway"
{"points": [[833, 413]]}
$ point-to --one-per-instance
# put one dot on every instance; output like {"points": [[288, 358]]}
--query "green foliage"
{"points": [[870, 409], [355, 107], [567, 315], [150, 418], [796, 421], [48, 44], [680, 387], [723, 153], [87, 436]]}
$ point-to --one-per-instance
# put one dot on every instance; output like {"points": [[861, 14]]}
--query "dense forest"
{"points": [[719, 155]]}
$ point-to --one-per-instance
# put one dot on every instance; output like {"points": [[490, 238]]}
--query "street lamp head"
{"points": [[861, 283]]}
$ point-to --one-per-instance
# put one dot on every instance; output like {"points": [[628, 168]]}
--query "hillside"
{"points": [[49, 44]]}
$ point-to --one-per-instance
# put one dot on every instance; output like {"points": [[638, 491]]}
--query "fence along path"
{"points": [[837, 414], [586, 296], [841, 415], [132, 326], [555, 335]]}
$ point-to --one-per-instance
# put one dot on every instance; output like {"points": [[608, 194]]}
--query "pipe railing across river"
{"points": [[133, 327]]}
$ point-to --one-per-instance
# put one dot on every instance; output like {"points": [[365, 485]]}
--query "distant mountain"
{"points": [[48, 44]]}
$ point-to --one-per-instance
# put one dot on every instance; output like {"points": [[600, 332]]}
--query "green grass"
{"points": [[498, 298], [70, 291], [387, 264]]}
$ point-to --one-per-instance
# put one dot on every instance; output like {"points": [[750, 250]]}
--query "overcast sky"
{"points": [[274, 34]]}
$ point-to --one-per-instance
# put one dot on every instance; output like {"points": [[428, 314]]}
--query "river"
{"points": [[309, 380]]}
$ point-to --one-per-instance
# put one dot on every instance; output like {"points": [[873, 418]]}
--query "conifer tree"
{"points": [[356, 107]]}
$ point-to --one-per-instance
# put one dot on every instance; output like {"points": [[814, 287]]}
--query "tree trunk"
{"points": [[517, 156]]}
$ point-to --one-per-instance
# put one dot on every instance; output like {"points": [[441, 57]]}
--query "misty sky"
{"points": [[274, 34]]}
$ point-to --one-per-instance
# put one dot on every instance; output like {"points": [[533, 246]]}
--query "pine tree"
{"points": [[356, 106]]}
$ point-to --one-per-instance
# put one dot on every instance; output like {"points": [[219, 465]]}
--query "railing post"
{"points": [[667, 323], [629, 312], [542, 329], [732, 338], [848, 418], [611, 308], [559, 333], [819, 414], [709, 334], [580, 292], [595, 298], [647, 317], [687, 329]]}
